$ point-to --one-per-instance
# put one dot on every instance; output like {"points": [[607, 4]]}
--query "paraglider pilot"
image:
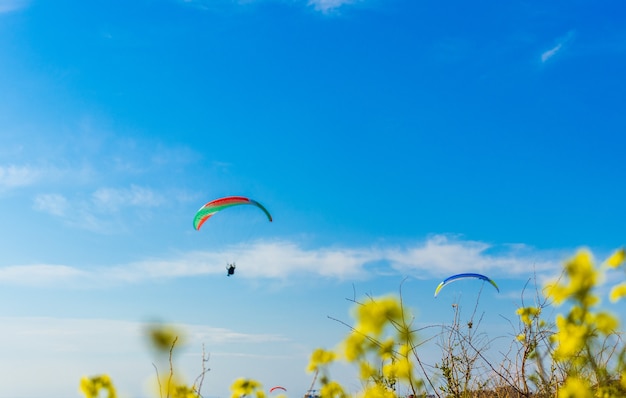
{"points": [[230, 269]]}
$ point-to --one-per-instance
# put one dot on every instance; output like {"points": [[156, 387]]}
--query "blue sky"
{"points": [[394, 142]]}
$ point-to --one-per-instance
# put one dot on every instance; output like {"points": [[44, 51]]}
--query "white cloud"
{"points": [[273, 260], [438, 256], [113, 198], [324, 6], [93, 213], [54, 204], [12, 5], [329, 5], [282, 258], [441, 255], [213, 335], [561, 43], [79, 334], [551, 52], [13, 176], [62, 350], [39, 274]]}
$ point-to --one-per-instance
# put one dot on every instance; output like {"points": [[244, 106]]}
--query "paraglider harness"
{"points": [[230, 269]]}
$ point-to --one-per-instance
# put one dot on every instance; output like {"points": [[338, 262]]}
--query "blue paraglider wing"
{"points": [[464, 276]]}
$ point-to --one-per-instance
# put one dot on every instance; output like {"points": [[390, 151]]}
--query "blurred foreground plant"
{"points": [[91, 386], [382, 345], [163, 339], [581, 354], [587, 341]]}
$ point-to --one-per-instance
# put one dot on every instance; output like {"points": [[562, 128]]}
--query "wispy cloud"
{"points": [[93, 212], [203, 333], [561, 44], [274, 260], [12, 5], [54, 204], [324, 6], [437, 256], [39, 274], [329, 5], [20, 176], [14, 176], [77, 335], [442, 255], [89, 155], [33, 345], [115, 198]]}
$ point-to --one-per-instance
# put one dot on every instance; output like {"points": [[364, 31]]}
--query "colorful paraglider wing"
{"points": [[277, 388], [217, 205], [463, 276], [439, 288]]}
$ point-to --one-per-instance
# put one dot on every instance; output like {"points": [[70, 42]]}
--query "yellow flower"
{"points": [[581, 278], [527, 314], [378, 391], [354, 346], [367, 371], [163, 337], [398, 369], [606, 323], [618, 292], [169, 385], [374, 315], [589, 300], [87, 387], [390, 370], [405, 333], [405, 350], [182, 391], [243, 387], [557, 292], [320, 357], [575, 388], [91, 386], [404, 369], [581, 272], [386, 349], [580, 315], [332, 389], [570, 338], [521, 337], [616, 258]]}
